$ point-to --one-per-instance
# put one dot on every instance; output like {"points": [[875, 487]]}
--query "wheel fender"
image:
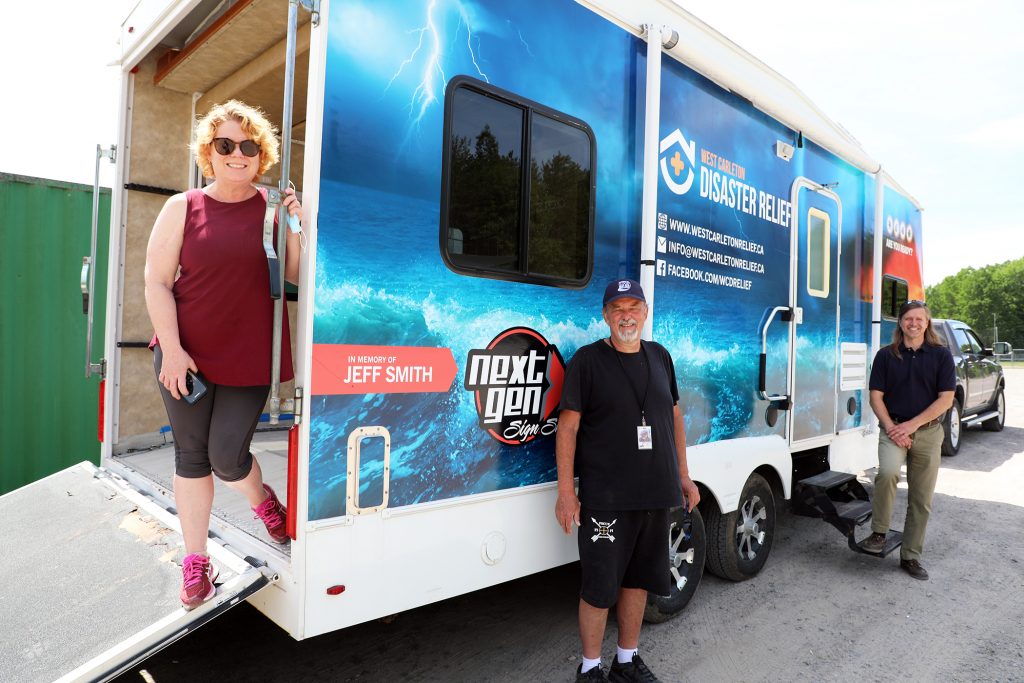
{"points": [[722, 467]]}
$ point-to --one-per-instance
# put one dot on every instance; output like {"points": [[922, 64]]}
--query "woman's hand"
{"points": [[173, 367], [291, 202]]}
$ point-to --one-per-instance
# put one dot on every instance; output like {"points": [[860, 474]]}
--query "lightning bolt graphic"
{"points": [[433, 78], [469, 44]]}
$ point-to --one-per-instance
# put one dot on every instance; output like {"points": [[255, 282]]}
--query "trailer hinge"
{"points": [[312, 6], [297, 407]]}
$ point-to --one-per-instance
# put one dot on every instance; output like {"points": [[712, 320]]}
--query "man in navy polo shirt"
{"points": [[621, 432], [912, 385]]}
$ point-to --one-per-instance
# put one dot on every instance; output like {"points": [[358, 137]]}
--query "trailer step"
{"points": [[857, 511], [893, 540], [827, 480]]}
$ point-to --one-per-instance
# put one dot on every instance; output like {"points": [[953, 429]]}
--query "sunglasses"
{"points": [[226, 146]]}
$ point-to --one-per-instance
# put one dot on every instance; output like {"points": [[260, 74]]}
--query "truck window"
{"points": [[966, 344], [975, 340], [517, 196], [894, 294]]}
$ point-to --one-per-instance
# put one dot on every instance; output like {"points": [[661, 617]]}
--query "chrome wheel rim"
{"points": [[749, 534], [954, 426], [676, 558]]}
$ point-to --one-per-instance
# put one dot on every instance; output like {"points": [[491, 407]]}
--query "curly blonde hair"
{"points": [[253, 121]]}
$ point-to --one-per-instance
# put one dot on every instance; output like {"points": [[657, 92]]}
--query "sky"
{"points": [[932, 89]]}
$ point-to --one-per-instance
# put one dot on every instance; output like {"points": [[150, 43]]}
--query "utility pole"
{"points": [[995, 330]]}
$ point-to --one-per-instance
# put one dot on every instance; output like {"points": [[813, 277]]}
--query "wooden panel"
{"points": [[247, 30]]}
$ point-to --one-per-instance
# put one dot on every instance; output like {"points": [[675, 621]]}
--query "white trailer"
{"points": [[472, 174]]}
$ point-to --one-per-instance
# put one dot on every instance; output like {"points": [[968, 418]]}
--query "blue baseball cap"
{"points": [[617, 289]]}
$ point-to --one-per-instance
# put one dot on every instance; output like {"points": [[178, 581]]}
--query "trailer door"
{"points": [[814, 293], [91, 579]]}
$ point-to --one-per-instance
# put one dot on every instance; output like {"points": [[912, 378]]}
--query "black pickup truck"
{"points": [[979, 383]]}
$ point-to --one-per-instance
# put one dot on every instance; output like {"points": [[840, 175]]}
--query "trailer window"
{"points": [[818, 252], [518, 191], [894, 294]]}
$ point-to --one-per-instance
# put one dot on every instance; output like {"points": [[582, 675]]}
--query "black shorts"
{"points": [[625, 549], [214, 433]]}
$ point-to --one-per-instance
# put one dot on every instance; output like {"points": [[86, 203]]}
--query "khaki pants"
{"points": [[922, 460]]}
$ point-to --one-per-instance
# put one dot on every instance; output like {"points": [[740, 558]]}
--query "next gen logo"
{"points": [[517, 382], [689, 148]]}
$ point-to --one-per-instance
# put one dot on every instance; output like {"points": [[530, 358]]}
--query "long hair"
{"points": [[930, 337]]}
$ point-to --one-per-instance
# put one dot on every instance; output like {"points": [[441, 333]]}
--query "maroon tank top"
{"points": [[225, 313]]}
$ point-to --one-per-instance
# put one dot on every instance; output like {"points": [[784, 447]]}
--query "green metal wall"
{"points": [[47, 406]]}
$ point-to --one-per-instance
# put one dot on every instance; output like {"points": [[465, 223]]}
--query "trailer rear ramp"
{"points": [[91, 578]]}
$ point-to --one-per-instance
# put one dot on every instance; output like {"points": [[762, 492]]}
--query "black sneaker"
{"points": [[875, 543], [636, 670], [595, 674], [914, 568]]}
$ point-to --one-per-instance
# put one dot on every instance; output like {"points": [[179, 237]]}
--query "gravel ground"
{"points": [[817, 611]]}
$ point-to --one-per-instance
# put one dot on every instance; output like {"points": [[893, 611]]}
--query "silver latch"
{"points": [[312, 6]]}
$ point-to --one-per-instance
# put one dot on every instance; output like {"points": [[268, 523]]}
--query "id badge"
{"points": [[643, 438]]}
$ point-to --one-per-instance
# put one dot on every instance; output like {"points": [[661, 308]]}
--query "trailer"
{"points": [[473, 173]]}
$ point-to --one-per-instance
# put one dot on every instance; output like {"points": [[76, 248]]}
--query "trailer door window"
{"points": [[818, 252], [517, 201], [894, 295]]}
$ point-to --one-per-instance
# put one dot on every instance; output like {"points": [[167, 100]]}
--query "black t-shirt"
{"points": [[614, 473], [912, 382]]}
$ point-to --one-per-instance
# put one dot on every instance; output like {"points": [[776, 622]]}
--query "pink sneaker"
{"points": [[198, 575], [274, 516]]}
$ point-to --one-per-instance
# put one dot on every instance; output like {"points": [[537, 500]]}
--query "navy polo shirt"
{"points": [[913, 382]]}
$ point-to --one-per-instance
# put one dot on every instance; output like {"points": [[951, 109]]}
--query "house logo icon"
{"points": [[678, 159]]}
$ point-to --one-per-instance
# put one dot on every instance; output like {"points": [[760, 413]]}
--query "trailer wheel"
{"points": [[686, 551], [739, 541], [951, 426], [995, 424]]}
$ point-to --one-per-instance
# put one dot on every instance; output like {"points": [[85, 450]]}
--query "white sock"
{"points": [[589, 664], [625, 656]]}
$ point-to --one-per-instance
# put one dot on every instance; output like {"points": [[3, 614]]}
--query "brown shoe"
{"points": [[914, 568], [875, 543]]}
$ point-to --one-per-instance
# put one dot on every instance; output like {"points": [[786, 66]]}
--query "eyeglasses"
{"points": [[226, 146]]}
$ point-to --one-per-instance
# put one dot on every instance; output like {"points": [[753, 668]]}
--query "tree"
{"points": [[974, 295]]}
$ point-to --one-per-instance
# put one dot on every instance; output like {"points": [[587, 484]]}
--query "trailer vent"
{"points": [[853, 366]]}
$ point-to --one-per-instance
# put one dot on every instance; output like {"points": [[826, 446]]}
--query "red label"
{"points": [[347, 369]]}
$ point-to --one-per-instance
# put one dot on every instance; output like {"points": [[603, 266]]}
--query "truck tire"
{"points": [[739, 541], [995, 424], [686, 551], [952, 427]]}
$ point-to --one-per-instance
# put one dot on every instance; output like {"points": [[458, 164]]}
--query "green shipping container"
{"points": [[48, 409]]}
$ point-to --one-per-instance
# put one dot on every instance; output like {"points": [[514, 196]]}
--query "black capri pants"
{"points": [[214, 433]]}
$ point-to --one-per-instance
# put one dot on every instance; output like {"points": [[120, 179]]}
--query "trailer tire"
{"points": [[995, 424], [686, 562], [739, 541], [953, 429]]}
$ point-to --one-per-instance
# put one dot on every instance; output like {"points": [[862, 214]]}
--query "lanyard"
{"points": [[642, 404]]}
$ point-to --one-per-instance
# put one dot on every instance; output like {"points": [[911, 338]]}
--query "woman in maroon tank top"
{"points": [[208, 297]]}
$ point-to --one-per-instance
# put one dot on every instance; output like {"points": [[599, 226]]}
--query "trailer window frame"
{"points": [[891, 285], [824, 263], [450, 237]]}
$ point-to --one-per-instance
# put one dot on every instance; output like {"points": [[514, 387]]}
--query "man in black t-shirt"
{"points": [[621, 432]]}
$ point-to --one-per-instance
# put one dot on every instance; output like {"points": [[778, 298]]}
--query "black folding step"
{"points": [[842, 501]]}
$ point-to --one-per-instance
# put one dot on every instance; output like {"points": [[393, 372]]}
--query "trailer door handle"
{"points": [[785, 313], [85, 284]]}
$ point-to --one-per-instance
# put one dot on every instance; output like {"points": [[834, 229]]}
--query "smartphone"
{"points": [[196, 387]]}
